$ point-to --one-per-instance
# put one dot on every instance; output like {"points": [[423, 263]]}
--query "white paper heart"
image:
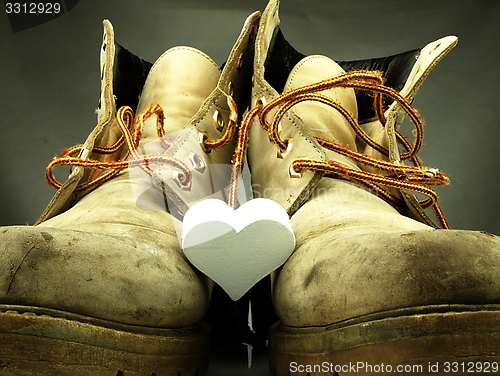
{"points": [[237, 248]]}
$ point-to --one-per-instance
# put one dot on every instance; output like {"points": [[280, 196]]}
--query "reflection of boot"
{"points": [[100, 285], [365, 283]]}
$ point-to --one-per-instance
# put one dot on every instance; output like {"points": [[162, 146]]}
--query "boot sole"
{"points": [[448, 339], [38, 341]]}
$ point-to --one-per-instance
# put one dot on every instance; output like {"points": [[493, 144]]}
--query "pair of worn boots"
{"points": [[100, 285]]}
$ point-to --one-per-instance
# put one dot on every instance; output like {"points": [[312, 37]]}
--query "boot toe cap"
{"points": [[104, 276], [340, 275]]}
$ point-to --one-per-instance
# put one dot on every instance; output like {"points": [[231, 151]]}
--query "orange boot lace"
{"points": [[131, 134], [414, 178]]}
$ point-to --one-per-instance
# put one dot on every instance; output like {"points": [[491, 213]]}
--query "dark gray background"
{"points": [[49, 84]]}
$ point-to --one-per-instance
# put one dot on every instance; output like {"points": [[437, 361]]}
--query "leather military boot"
{"points": [[100, 286], [371, 283]]}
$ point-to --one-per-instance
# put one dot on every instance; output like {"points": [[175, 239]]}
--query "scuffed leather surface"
{"points": [[356, 255], [104, 258]]}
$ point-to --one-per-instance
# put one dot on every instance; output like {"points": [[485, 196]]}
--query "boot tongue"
{"points": [[321, 120], [180, 81]]}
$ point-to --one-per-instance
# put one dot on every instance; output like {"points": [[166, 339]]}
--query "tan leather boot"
{"points": [[100, 285], [366, 287]]}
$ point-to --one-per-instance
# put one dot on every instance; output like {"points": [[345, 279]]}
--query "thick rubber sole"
{"points": [[434, 340], [44, 342]]}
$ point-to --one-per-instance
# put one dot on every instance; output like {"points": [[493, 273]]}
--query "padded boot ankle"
{"points": [[100, 286], [366, 287]]}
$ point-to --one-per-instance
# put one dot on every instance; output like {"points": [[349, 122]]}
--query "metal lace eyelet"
{"points": [[202, 137], [230, 89], [296, 174], [218, 121], [261, 101], [197, 163], [240, 62], [282, 154], [176, 177]]}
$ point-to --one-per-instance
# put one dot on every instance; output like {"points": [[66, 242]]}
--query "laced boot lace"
{"points": [[131, 134], [416, 178]]}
